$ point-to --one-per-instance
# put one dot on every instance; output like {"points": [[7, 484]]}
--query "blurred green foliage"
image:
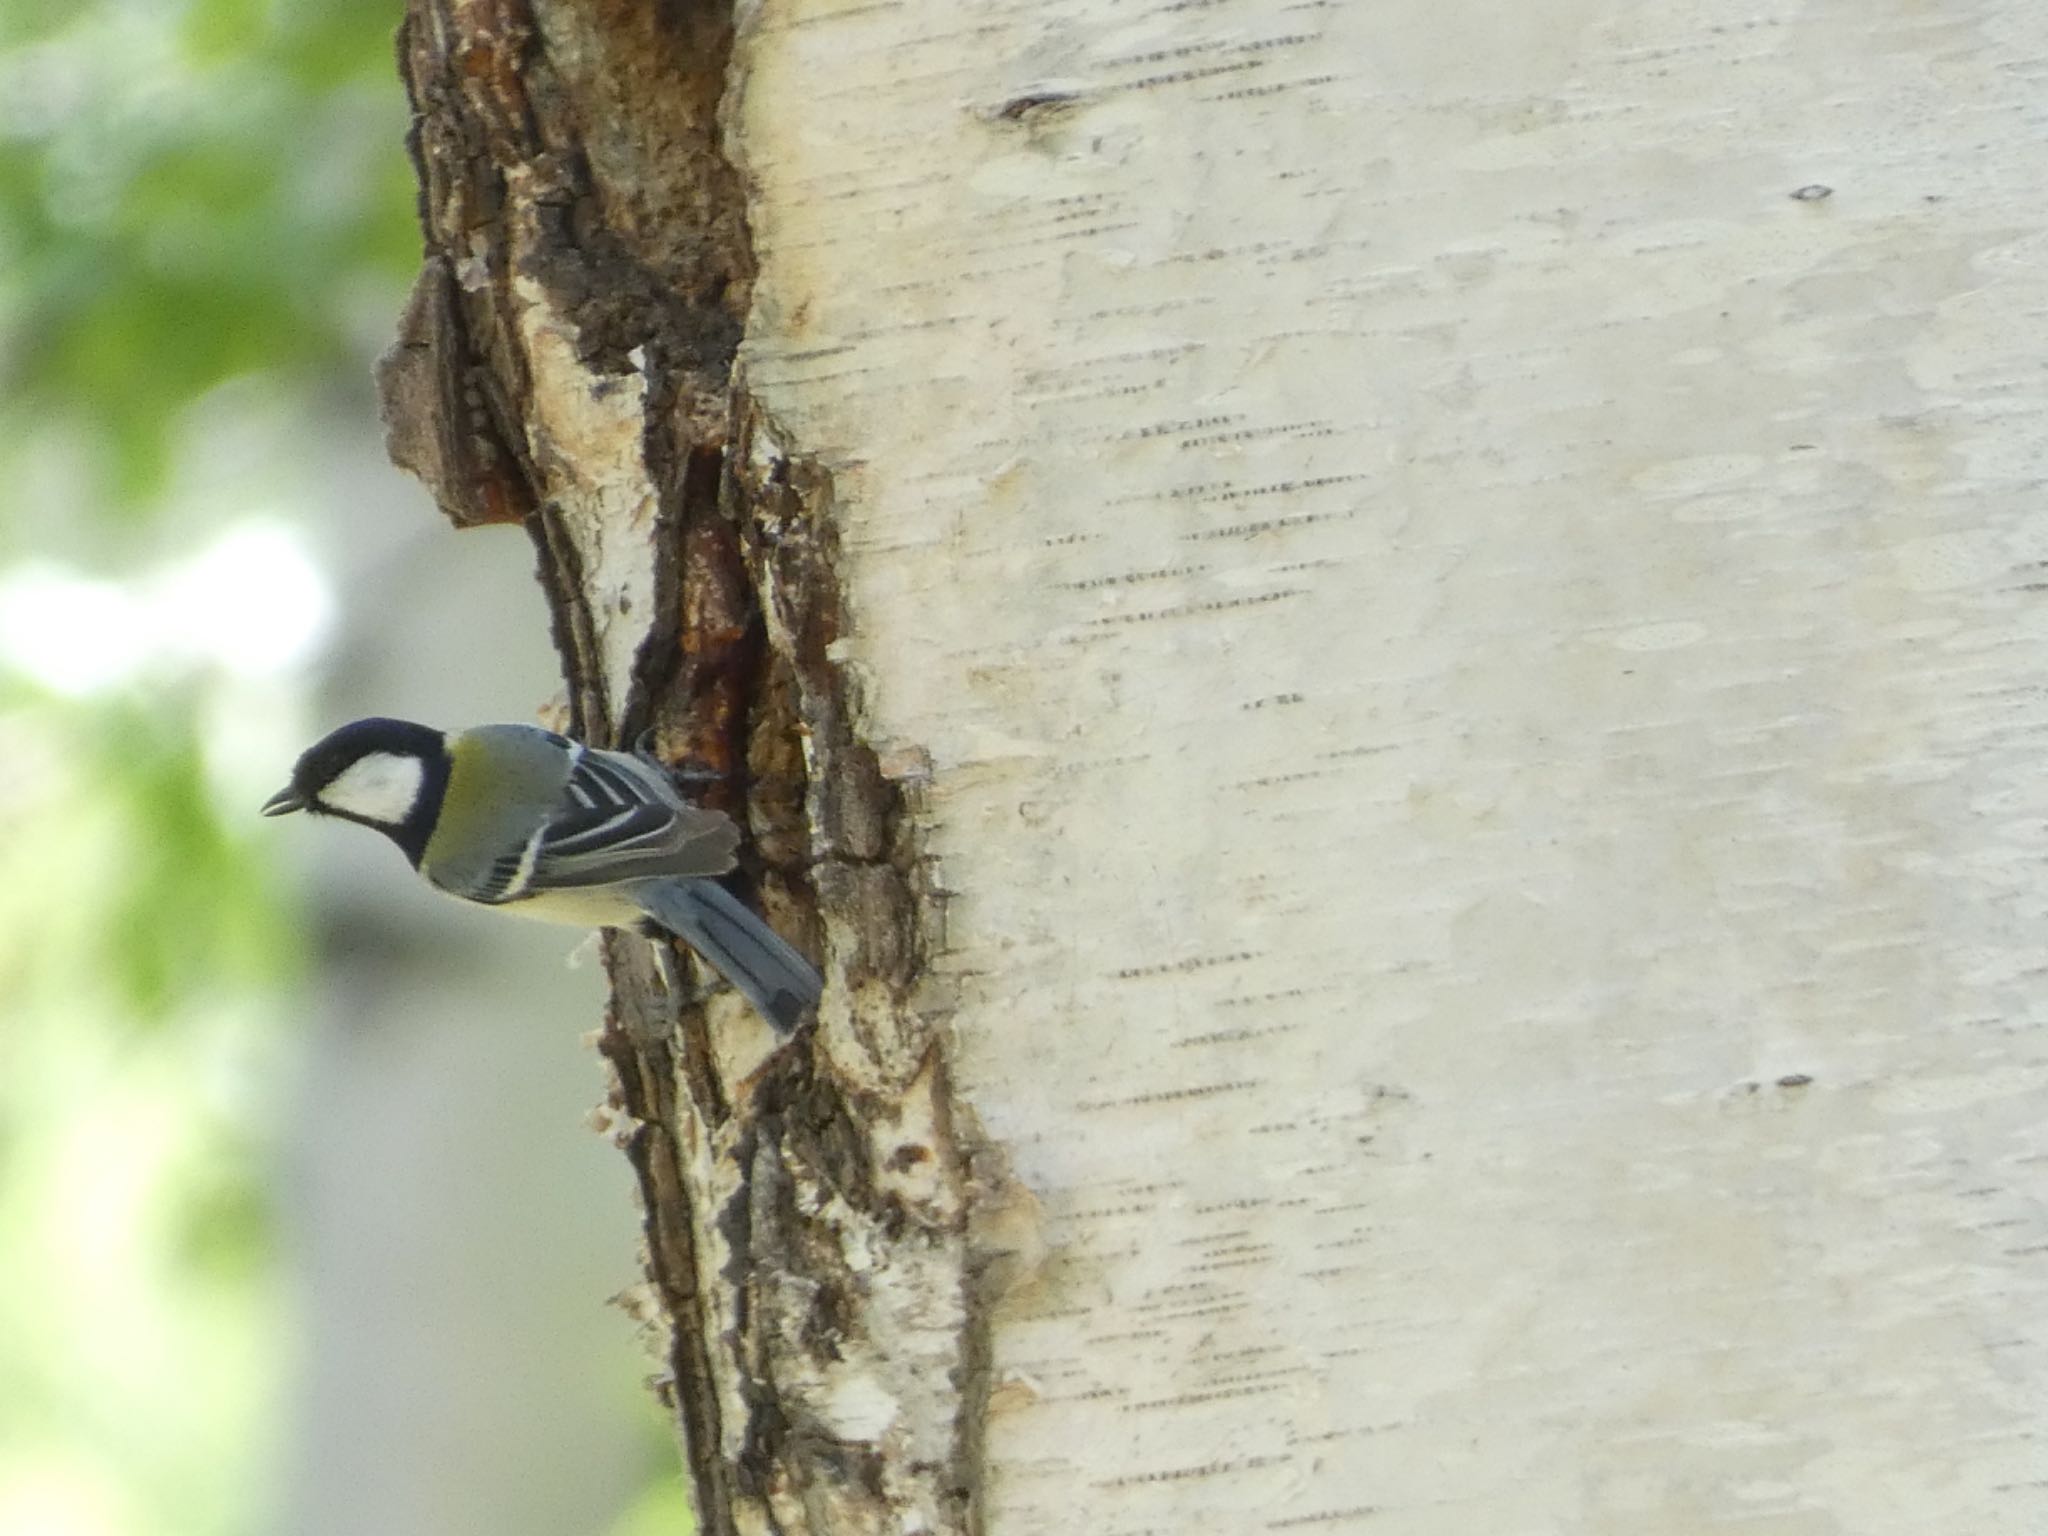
{"points": [[127, 861], [206, 225], [142, 954], [663, 1509], [188, 193]]}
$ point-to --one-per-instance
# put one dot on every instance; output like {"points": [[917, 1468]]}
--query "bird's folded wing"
{"points": [[619, 819]]}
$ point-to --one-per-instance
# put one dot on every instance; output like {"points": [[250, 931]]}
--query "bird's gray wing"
{"points": [[618, 819]]}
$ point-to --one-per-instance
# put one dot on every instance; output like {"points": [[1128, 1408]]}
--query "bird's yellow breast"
{"points": [[578, 906]]}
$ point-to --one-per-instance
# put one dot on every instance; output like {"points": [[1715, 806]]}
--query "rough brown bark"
{"points": [[567, 363]]}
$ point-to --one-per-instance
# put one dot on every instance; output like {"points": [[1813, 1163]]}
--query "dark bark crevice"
{"points": [[574, 190]]}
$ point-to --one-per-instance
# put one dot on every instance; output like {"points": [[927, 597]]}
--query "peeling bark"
{"points": [[567, 362]]}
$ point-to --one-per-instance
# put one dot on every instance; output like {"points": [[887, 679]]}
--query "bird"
{"points": [[528, 821]]}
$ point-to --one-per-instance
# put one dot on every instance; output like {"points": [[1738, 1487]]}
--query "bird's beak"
{"points": [[284, 802]]}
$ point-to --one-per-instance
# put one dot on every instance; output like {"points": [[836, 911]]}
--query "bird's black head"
{"points": [[387, 774]]}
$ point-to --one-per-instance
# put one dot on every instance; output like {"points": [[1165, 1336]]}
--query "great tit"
{"points": [[516, 817]]}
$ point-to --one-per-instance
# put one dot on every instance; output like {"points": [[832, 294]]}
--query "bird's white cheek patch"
{"points": [[380, 787]]}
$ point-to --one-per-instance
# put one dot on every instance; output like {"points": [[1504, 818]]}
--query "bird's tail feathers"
{"points": [[738, 944]]}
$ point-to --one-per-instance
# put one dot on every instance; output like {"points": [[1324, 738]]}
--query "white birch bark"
{"points": [[1471, 579]]}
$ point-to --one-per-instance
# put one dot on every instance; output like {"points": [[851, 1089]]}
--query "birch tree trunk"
{"points": [[1393, 651]]}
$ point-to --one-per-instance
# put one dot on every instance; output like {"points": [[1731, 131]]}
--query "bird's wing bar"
{"points": [[605, 810], [620, 819]]}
